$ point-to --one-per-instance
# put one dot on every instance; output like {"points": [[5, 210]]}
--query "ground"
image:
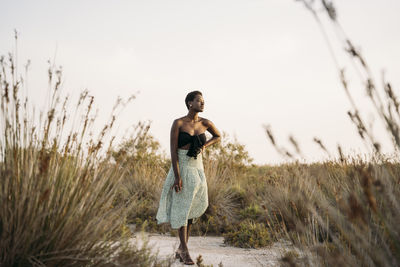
{"points": [[214, 251]]}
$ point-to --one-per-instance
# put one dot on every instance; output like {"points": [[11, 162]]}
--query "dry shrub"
{"points": [[248, 234], [221, 209], [145, 171], [57, 188]]}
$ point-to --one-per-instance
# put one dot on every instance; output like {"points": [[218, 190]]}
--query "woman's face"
{"points": [[197, 103]]}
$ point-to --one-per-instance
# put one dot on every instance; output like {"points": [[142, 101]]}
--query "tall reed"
{"points": [[346, 210], [58, 186]]}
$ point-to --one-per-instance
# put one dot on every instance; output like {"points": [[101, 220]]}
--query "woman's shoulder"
{"points": [[204, 121]]}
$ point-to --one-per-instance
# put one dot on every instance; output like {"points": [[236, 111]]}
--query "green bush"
{"points": [[248, 234]]}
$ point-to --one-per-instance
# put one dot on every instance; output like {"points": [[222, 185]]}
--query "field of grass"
{"points": [[345, 212], [68, 195]]}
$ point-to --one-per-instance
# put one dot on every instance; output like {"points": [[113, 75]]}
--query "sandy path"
{"points": [[214, 251]]}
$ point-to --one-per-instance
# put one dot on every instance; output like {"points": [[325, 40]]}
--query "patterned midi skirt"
{"points": [[192, 201]]}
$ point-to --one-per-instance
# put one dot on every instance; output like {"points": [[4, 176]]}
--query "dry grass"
{"points": [[344, 211], [57, 189]]}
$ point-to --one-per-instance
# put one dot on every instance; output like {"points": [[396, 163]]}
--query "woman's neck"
{"points": [[193, 116]]}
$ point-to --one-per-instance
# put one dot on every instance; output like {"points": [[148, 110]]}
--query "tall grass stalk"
{"points": [[58, 187], [346, 211]]}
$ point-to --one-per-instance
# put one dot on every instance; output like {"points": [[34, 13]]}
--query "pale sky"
{"points": [[256, 61]]}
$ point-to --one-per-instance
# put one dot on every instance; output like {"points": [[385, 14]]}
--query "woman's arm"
{"points": [[216, 136], [174, 154]]}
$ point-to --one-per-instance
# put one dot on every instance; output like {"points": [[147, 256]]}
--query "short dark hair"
{"points": [[191, 96]]}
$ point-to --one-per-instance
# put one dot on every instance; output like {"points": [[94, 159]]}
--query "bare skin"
{"points": [[193, 125]]}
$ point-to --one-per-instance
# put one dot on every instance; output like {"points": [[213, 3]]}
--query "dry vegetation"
{"points": [[57, 190], [67, 197]]}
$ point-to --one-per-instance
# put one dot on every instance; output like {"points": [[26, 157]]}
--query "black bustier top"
{"points": [[196, 142]]}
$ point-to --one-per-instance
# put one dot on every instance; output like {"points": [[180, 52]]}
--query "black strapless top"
{"points": [[196, 142]]}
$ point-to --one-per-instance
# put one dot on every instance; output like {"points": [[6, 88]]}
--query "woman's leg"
{"points": [[183, 254], [189, 224], [182, 238]]}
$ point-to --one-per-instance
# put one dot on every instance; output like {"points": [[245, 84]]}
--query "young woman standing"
{"points": [[184, 195]]}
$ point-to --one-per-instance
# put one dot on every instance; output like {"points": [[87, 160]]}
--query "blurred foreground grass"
{"points": [[57, 191]]}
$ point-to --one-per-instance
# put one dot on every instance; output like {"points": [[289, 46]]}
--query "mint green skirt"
{"points": [[192, 201]]}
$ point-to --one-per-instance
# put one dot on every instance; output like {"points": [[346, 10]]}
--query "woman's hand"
{"points": [[177, 185]]}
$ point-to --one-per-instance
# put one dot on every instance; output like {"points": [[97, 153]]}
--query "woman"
{"points": [[184, 194]]}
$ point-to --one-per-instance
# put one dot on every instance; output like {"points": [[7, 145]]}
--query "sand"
{"points": [[213, 250]]}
